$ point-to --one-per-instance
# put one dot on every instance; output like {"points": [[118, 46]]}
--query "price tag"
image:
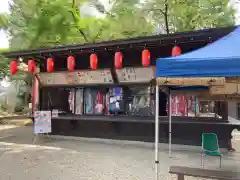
{"points": [[55, 113]]}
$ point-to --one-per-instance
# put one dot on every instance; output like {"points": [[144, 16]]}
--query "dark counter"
{"points": [[185, 130], [140, 119]]}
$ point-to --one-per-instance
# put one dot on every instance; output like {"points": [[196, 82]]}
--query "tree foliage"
{"points": [[3, 21], [44, 23], [127, 20], [4, 65], [185, 15], [38, 23]]}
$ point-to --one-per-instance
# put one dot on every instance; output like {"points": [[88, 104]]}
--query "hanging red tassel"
{"points": [[146, 57], [71, 63]]}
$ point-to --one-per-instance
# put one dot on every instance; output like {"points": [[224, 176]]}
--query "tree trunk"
{"points": [[166, 16]]}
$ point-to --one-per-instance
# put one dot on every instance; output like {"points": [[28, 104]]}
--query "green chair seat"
{"points": [[209, 153], [210, 147]]}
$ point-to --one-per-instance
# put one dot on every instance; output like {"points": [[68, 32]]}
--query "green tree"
{"points": [[38, 23], [4, 65], [3, 21], [21, 76], [185, 15], [127, 20]]}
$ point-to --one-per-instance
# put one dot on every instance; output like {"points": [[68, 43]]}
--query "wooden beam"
{"points": [[233, 79], [205, 81], [227, 88], [206, 95], [219, 97]]}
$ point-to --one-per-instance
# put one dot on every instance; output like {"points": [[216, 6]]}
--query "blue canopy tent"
{"points": [[218, 59]]}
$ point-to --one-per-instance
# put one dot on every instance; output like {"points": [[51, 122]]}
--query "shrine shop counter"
{"points": [[120, 104], [185, 130]]}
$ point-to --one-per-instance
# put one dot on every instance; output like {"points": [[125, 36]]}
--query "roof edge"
{"points": [[121, 42]]}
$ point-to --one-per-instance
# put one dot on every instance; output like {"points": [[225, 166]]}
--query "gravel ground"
{"points": [[77, 160]]}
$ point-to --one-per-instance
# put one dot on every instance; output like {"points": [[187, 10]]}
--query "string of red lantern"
{"points": [[118, 60], [93, 61], [146, 57], [13, 67], [50, 65], [176, 51], [71, 63], [31, 66]]}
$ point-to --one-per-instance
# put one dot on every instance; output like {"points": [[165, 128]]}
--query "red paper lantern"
{"points": [[146, 57], [176, 51], [50, 65], [93, 61], [31, 66], [13, 67], [118, 59], [71, 63]]}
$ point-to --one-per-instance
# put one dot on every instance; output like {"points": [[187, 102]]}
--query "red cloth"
{"points": [[182, 105]]}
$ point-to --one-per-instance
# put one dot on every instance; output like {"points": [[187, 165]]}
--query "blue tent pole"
{"points": [[156, 132], [170, 123]]}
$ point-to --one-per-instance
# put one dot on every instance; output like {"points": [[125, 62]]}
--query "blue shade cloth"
{"points": [[218, 59]]}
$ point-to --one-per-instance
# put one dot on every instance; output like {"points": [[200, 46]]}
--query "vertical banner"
{"points": [[174, 105], [182, 105], [79, 102], [35, 91]]}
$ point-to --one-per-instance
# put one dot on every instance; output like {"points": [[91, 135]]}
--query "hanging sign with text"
{"points": [[103, 76], [135, 74]]}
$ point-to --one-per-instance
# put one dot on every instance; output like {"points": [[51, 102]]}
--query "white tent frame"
{"points": [[157, 129]]}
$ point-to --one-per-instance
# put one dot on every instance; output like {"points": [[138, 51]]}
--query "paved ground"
{"points": [[75, 160]]}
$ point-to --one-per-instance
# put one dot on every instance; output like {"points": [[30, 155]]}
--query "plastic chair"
{"points": [[210, 147]]}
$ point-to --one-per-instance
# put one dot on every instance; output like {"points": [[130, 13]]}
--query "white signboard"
{"points": [[55, 113], [102, 76], [135, 74], [42, 122]]}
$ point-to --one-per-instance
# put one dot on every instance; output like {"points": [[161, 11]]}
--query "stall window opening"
{"points": [[94, 101], [141, 101], [57, 98]]}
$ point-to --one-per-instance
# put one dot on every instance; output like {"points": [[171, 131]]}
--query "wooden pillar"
{"points": [[225, 110], [221, 108]]}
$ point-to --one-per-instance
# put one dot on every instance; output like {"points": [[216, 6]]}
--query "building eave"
{"points": [[155, 40]]}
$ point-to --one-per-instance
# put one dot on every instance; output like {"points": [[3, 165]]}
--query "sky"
{"points": [[4, 8], [3, 37]]}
